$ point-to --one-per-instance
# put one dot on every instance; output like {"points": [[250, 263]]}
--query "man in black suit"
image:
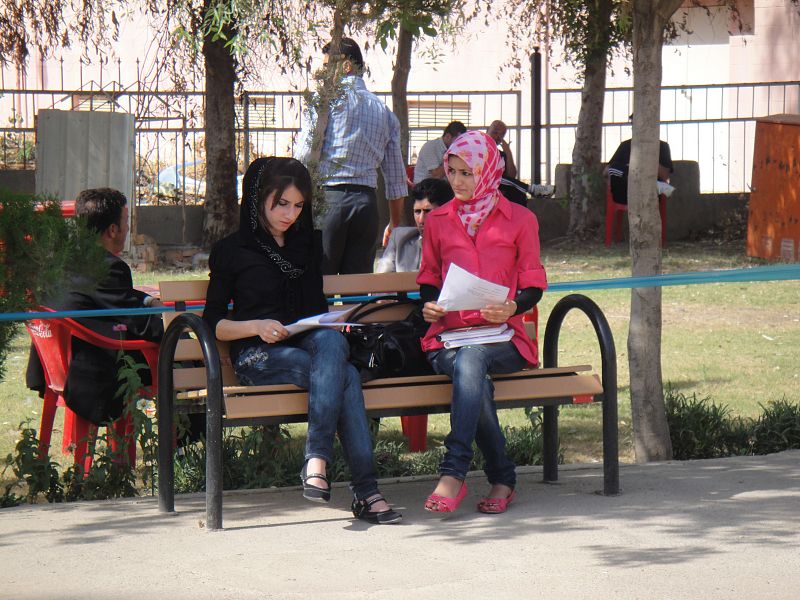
{"points": [[92, 384]]}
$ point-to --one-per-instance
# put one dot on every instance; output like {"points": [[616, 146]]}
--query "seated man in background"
{"points": [[512, 188], [617, 169], [431, 155], [91, 388], [404, 250]]}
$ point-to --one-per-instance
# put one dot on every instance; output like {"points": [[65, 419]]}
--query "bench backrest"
{"points": [[193, 292]]}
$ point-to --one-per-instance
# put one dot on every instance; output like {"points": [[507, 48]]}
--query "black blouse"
{"points": [[259, 289]]}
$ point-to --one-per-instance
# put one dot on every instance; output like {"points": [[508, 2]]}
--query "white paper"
{"points": [[462, 290], [664, 188], [329, 319]]}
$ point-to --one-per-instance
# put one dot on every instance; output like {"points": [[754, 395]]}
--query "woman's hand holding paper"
{"points": [[432, 312], [499, 313]]}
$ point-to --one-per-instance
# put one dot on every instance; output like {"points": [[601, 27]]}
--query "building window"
{"points": [[427, 119]]}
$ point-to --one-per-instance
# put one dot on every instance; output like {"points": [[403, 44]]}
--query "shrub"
{"points": [[110, 475], [701, 429], [778, 427], [33, 474], [266, 457], [38, 250]]}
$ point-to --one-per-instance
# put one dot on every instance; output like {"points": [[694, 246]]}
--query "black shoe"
{"points": [[361, 510], [313, 492]]}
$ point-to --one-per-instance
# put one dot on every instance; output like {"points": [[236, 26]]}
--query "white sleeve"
{"points": [[427, 160]]}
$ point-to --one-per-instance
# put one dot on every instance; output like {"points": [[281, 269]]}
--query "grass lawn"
{"points": [[732, 342]]}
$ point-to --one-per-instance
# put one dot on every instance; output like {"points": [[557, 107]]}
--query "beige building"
{"points": [[712, 125]]}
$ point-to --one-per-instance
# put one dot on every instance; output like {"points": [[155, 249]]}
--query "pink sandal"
{"points": [[442, 504], [495, 506]]}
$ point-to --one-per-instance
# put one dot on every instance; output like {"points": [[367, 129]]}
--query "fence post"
{"points": [[246, 128], [536, 116]]}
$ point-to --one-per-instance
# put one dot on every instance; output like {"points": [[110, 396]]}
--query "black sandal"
{"points": [[314, 492], [361, 510]]}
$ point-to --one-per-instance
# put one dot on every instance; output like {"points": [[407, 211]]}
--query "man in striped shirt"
{"points": [[361, 135]]}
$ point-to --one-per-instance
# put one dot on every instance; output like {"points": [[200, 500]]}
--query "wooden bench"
{"points": [[229, 404]]}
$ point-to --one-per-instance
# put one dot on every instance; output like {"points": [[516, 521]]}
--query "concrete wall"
{"points": [[689, 213], [171, 225], [77, 150], [18, 181]]}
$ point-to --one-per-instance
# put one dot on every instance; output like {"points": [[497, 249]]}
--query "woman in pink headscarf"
{"points": [[494, 239]]}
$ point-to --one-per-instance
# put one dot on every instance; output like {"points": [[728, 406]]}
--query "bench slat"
{"points": [[194, 379], [189, 349], [183, 291], [436, 394], [369, 283], [168, 317], [332, 285]]}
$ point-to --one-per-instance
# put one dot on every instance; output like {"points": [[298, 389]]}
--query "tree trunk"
{"points": [[586, 180], [650, 429], [221, 215], [327, 90], [402, 67]]}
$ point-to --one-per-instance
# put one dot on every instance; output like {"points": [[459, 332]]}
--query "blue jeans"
{"points": [[317, 361], [473, 414]]}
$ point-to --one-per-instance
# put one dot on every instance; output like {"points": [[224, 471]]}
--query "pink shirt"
{"points": [[504, 251]]}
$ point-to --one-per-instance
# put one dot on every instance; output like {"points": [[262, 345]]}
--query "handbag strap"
{"points": [[364, 308]]}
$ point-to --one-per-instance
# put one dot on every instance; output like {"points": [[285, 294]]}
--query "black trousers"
{"points": [[350, 229]]}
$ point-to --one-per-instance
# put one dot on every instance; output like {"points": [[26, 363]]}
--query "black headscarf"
{"points": [[264, 176]]}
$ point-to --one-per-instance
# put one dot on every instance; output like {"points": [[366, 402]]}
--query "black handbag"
{"points": [[392, 349]]}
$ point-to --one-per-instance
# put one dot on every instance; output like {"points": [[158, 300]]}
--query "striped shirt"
{"points": [[362, 135]]}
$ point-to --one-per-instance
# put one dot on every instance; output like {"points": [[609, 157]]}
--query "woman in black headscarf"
{"points": [[271, 269]]}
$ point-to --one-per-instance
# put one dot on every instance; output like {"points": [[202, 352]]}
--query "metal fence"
{"points": [[711, 124], [169, 127]]}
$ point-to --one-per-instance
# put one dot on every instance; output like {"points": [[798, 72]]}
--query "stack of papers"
{"points": [[470, 336]]}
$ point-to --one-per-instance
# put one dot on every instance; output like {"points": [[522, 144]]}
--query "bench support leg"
{"points": [[608, 359], [550, 443], [214, 463], [166, 390], [610, 444], [166, 467]]}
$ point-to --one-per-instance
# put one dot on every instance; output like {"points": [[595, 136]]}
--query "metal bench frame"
{"points": [[563, 393]]}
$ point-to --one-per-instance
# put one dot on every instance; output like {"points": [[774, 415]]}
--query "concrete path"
{"points": [[726, 528]]}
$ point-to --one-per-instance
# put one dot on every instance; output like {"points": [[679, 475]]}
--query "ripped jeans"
{"points": [[317, 361], [473, 413]]}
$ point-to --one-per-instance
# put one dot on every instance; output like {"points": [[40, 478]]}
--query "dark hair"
{"points": [[438, 191], [349, 49], [101, 207], [455, 129], [280, 174]]}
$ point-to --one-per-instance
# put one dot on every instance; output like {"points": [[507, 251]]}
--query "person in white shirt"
{"points": [[429, 159]]}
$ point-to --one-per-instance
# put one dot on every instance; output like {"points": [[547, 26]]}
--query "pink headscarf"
{"points": [[480, 153]]}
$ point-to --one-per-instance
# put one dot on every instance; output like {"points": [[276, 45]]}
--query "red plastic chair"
{"points": [[52, 339], [410, 175], [615, 212], [67, 208], [415, 428]]}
